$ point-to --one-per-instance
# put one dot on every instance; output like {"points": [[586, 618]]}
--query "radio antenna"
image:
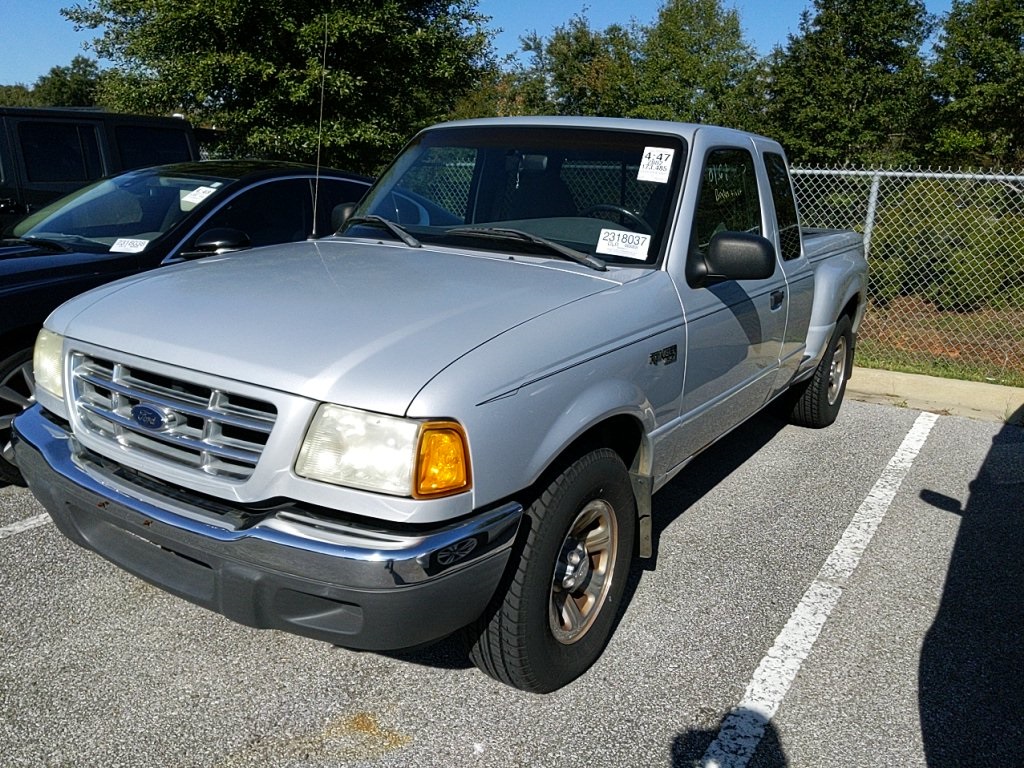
{"points": [[320, 130]]}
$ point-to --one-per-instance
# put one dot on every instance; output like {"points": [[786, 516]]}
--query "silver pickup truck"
{"points": [[453, 414]]}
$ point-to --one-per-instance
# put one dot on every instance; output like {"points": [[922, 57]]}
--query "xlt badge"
{"points": [[668, 355]]}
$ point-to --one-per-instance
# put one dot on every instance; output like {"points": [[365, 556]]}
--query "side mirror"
{"points": [[734, 256], [218, 240], [340, 214]]}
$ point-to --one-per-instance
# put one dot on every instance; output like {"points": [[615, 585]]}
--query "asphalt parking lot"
{"points": [[845, 597]]}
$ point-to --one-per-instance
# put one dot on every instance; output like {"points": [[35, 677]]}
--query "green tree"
{"points": [[16, 96], [851, 87], [575, 71], [590, 72], [695, 66], [72, 86], [254, 69], [979, 74], [692, 64]]}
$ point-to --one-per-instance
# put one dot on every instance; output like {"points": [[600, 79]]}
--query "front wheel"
{"points": [[555, 612], [817, 404], [17, 392]]}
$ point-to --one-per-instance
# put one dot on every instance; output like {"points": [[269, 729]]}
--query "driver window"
{"points": [[273, 212], [729, 200]]}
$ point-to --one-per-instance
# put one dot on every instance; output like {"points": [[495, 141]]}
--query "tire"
{"points": [[17, 392], [560, 599], [817, 404]]}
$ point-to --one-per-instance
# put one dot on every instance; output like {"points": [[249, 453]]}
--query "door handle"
{"points": [[777, 298]]}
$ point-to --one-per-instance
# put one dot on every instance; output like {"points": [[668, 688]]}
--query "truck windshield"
{"points": [[602, 193], [116, 213]]}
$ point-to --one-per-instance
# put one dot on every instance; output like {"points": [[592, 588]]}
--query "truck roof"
{"points": [[683, 130]]}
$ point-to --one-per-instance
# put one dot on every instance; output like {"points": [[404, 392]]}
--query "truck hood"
{"points": [[356, 323]]}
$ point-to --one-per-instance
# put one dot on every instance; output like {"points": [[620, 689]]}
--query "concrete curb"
{"points": [[975, 400]]}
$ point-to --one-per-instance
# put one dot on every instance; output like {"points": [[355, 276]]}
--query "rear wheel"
{"points": [[817, 405], [17, 392], [555, 612]]}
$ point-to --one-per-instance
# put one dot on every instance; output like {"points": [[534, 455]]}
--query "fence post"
{"points": [[869, 224]]}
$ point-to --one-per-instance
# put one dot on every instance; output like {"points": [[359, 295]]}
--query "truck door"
{"points": [[735, 328], [799, 274]]}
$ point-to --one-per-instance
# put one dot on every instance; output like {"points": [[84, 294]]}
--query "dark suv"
{"points": [[46, 153]]}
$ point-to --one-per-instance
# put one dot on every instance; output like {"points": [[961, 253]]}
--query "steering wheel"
{"points": [[624, 214]]}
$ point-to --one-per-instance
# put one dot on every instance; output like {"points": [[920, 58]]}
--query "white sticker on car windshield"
{"points": [[198, 194], [629, 245], [656, 164], [128, 245]]}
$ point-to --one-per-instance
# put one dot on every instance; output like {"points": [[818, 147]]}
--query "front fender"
{"points": [[529, 393], [602, 403]]}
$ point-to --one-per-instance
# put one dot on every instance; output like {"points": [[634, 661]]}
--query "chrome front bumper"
{"points": [[353, 585]]}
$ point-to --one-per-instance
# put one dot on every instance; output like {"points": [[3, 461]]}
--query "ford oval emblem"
{"points": [[147, 416]]}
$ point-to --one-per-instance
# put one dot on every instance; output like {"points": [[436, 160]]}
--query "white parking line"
{"points": [[743, 728], [24, 525]]}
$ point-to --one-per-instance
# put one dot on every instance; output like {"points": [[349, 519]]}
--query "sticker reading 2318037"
{"points": [[656, 164], [629, 245]]}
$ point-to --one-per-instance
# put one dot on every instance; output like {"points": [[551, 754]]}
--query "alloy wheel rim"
{"points": [[17, 393], [583, 572], [837, 371]]}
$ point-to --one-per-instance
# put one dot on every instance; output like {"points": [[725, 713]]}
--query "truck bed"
{"points": [[821, 243]]}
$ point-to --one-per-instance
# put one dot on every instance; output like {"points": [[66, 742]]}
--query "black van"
{"points": [[47, 153]]}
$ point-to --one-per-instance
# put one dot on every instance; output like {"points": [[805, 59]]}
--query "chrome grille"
{"points": [[171, 419]]}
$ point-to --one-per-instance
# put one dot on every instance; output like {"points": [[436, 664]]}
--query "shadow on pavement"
{"points": [[971, 672], [709, 469], [757, 740]]}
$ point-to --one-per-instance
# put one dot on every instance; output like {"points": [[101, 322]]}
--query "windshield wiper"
{"points": [[390, 226], [50, 245], [558, 249]]}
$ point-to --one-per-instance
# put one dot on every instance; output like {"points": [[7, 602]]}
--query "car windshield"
{"points": [[122, 214], [605, 194]]}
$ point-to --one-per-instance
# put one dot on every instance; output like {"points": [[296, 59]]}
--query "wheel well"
{"points": [[850, 310], [623, 434]]}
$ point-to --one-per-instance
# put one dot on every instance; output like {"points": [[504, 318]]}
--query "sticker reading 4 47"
{"points": [[656, 164], [630, 245]]}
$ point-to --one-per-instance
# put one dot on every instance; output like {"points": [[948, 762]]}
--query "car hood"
{"points": [[25, 263], [356, 323], [13, 249]]}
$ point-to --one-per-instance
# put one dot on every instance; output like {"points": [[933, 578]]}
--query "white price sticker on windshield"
{"points": [[128, 245], [629, 245], [656, 164], [198, 194]]}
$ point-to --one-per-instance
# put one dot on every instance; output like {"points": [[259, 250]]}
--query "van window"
{"points": [[59, 152], [142, 145]]}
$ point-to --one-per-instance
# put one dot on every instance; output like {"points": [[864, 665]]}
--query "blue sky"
{"points": [[34, 36]]}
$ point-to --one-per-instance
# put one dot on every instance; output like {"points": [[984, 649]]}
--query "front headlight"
{"points": [[47, 363], [354, 448]]}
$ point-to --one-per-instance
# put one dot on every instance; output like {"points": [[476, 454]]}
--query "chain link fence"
{"points": [[946, 266]]}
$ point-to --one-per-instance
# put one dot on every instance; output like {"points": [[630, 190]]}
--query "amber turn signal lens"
{"points": [[443, 463]]}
